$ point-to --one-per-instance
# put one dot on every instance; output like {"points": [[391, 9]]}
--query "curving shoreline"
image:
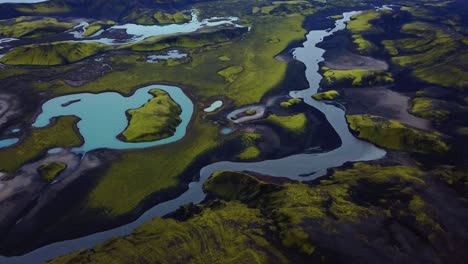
{"points": [[313, 165]]}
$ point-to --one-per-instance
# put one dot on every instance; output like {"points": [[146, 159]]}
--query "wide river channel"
{"points": [[314, 165]]}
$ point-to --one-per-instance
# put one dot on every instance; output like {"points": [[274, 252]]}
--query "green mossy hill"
{"points": [[291, 102], [56, 53], [60, 134], [230, 186], [96, 26], [360, 25], [192, 40], [341, 203], [31, 27], [168, 18], [52, 7], [434, 53], [355, 77], [280, 8], [50, 170], [328, 95], [155, 120], [394, 135], [260, 221], [251, 151], [231, 73], [145, 16], [434, 109], [227, 233], [140, 16], [295, 124]]}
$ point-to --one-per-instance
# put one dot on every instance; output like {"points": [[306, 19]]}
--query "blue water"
{"points": [[214, 106], [141, 32], [8, 142], [103, 116], [226, 131]]}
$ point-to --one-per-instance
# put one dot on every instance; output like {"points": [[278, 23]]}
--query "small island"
{"points": [[155, 120]]}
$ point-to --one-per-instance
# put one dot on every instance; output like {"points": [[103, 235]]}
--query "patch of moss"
{"points": [[427, 108], [229, 233], [355, 77], [295, 124], [224, 58], [50, 170], [155, 120], [434, 53], [336, 17], [49, 7], [168, 18], [141, 16], [60, 134], [31, 27], [94, 27], [359, 25], [251, 151], [279, 8], [392, 134], [328, 95], [230, 186], [231, 73], [55, 53], [291, 102]]}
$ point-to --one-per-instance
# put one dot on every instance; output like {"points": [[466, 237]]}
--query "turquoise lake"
{"points": [[103, 116]]}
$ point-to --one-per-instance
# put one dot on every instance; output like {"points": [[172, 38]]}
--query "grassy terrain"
{"points": [[168, 18], [427, 108], [300, 221], [392, 134], [359, 25], [155, 120], [291, 102], [436, 54], [50, 170], [295, 124], [251, 151], [32, 27], [60, 134], [228, 233], [355, 77], [96, 26], [55, 53], [231, 73], [44, 8], [328, 95]]}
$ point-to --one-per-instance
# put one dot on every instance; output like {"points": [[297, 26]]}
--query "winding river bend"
{"points": [[313, 165]]}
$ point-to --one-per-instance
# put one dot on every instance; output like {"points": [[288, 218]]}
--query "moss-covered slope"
{"points": [[52, 54], [155, 120], [32, 27], [392, 134], [357, 215]]}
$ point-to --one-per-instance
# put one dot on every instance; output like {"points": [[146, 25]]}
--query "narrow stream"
{"points": [[314, 165]]}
